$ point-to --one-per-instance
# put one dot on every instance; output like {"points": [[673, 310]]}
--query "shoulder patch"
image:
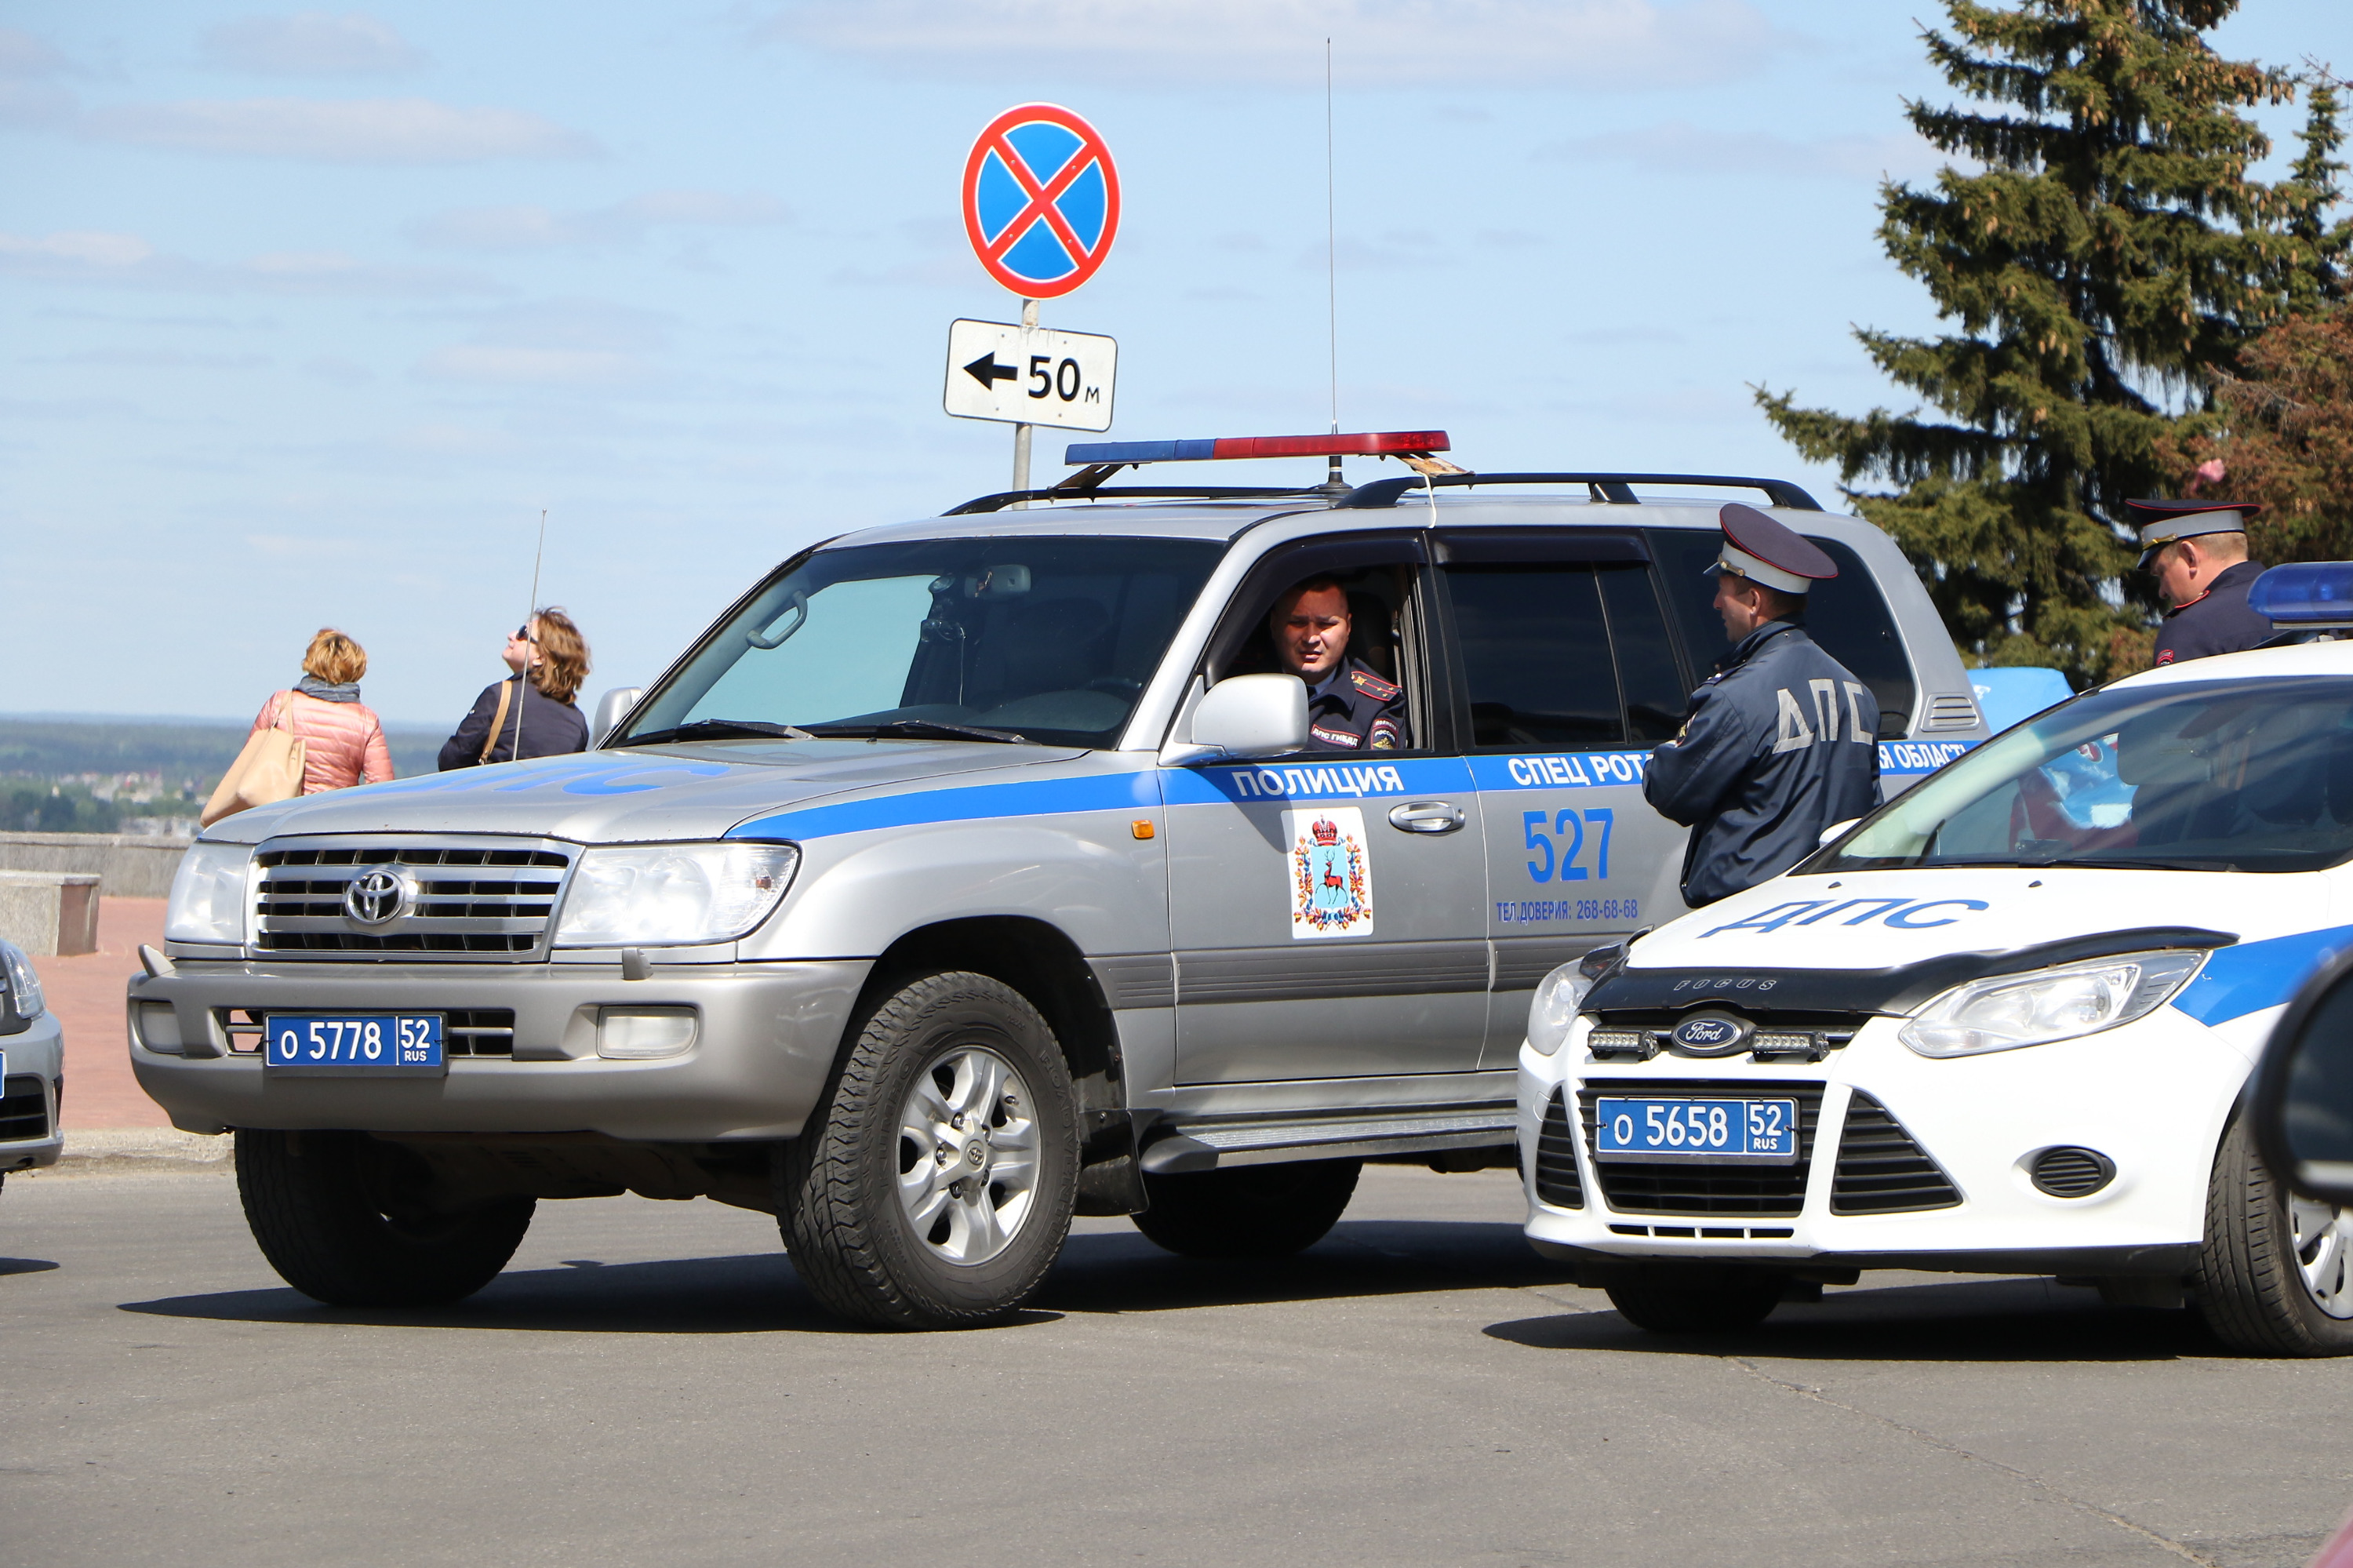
{"points": [[1373, 687]]}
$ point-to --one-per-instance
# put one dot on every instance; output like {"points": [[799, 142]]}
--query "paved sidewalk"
{"points": [[86, 994]]}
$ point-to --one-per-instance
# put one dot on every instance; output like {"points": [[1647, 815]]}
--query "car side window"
{"points": [[1847, 617], [1648, 676], [1533, 651], [1382, 580]]}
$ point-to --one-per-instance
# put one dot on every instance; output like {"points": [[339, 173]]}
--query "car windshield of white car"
{"points": [[2219, 776], [1049, 640]]}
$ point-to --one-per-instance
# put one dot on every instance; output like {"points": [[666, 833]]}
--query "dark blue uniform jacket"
{"points": [[548, 727], [1356, 710], [1781, 743], [2217, 621]]}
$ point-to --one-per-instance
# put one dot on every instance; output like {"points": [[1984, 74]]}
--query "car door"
{"points": [[1567, 675], [1327, 908]]}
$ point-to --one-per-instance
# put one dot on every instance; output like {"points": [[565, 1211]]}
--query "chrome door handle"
{"points": [[1426, 817]]}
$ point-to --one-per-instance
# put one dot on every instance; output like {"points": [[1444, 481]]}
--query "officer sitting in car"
{"points": [[1782, 741], [1349, 708]]}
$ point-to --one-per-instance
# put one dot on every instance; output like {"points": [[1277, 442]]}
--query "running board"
{"points": [[1218, 1145]]}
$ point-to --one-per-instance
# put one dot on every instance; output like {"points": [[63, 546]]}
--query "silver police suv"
{"points": [[971, 873]]}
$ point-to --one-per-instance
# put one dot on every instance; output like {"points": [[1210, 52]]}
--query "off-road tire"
{"points": [[353, 1222], [1695, 1297], [2247, 1284], [1251, 1210], [838, 1205]]}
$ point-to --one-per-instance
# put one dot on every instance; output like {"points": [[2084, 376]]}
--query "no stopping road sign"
{"points": [[1041, 200]]}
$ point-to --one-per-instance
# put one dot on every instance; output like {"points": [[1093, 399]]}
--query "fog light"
{"points": [[635, 1033], [159, 1029]]}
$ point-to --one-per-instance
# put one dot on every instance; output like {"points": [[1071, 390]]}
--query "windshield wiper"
{"points": [[719, 729], [923, 729], [2070, 862]]}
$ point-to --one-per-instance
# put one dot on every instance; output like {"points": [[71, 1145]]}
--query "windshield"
{"points": [[2221, 776], [1049, 639]]}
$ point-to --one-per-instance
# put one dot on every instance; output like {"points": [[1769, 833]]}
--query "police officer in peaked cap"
{"points": [[1782, 741], [1349, 707], [2197, 550]]}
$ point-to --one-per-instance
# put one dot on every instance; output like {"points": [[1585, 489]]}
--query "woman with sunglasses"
{"points": [[532, 711]]}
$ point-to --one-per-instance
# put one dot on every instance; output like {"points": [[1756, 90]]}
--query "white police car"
{"points": [[2002, 1025]]}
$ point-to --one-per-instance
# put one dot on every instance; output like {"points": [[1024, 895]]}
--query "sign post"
{"points": [[1041, 208]]}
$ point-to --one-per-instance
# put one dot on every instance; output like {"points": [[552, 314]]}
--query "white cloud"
{"points": [[624, 223], [340, 130], [1678, 147], [94, 256], [532, 367], [27, 95], [310, 43], [1592, 44]]}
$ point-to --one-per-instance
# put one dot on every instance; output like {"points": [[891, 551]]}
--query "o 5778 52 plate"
{"points": [[354, 1045]]}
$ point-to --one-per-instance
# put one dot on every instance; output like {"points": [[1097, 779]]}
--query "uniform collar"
{"points": [[2229, 577], [1331, 683], [1749, 646]]}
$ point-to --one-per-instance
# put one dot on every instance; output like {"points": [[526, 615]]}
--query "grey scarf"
{"points": [[329, 691]]}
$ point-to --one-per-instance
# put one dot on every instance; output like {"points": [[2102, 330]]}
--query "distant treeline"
{"points": [[198, 752]]}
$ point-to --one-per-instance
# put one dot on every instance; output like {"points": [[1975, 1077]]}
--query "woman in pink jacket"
{"points": [[344, 742]]}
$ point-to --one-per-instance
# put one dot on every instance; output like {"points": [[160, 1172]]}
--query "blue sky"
{"points": [[305, 315]]}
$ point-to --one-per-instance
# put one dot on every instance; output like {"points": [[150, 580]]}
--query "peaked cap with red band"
{"points": [[2162, 522], [1764, 551]]}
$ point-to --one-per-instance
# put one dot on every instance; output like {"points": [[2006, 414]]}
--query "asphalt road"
{"points": [[648, 1384]]}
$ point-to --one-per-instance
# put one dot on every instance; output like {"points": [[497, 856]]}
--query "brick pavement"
{"points": [[86, 994]]}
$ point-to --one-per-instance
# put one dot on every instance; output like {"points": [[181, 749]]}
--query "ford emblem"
{"points": [[1709, 1034]]}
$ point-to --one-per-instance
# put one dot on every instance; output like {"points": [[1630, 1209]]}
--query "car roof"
{"points": [[2255, 665]]}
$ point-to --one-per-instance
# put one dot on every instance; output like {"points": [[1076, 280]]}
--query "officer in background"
{"points": [[1349, 708], [1782, 741], [2197, 550]]}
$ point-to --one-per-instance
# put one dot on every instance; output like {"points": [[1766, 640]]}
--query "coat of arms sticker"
{"points": [[1331, 873]]}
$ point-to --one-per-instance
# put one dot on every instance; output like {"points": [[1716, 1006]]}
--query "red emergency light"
{"points": [[1369, 443]]}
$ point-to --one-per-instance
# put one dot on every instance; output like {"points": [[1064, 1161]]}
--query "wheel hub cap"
{"points": [[967, 1169], [2324, 1252]]}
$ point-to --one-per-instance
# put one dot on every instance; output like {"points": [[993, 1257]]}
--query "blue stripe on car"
{"points": [[2253, 976], [917, 808]]}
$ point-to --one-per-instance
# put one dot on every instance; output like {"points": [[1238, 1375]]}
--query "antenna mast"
{"points": [[1331, 260]]}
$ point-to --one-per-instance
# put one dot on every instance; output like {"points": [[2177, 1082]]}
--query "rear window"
{"points": [[1847, 617]]}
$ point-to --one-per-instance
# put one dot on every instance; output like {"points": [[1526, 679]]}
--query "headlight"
{"points": [[23, 983], [208, 894], [657, 896], [1554, 1010], [2009, 1011]]}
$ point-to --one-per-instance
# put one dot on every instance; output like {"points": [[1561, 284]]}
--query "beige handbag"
{"points": [[269, 769]]}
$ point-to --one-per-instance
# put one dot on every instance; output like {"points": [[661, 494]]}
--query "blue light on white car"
{"points": [[2304, 594]]}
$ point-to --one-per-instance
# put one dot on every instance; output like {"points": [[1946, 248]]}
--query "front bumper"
{"points": [[34, 1089], [765, 1040], [2153, 1097]]}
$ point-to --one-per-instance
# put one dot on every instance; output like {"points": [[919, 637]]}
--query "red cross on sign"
{"points": [[1041, 200]]}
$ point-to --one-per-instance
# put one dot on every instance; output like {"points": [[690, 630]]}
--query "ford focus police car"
{"points": [[2001, 1025], [971, 873]]}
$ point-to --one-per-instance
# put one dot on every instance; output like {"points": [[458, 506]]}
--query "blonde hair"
{"points": [[562, 654], [335, 658]]}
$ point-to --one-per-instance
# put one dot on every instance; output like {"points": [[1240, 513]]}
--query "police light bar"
{"points": [[2306, 594], [1378, 443]]}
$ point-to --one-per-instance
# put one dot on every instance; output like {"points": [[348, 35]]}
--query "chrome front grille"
{"points": [[477, 898]]}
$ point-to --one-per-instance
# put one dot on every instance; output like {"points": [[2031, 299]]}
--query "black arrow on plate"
{"points": [[986, 371]]}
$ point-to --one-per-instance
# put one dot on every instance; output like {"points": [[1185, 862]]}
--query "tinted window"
{"points": [[1647, 670], [1049, 638], [1536, 658], [1846, 617]]}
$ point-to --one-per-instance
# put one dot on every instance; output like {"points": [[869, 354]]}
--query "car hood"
{"points": [[1886, 919], [641, 794]]}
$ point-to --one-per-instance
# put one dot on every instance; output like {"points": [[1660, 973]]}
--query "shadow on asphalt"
{"points": [[25, 1266], [1966, 1320], [757, 1293]]}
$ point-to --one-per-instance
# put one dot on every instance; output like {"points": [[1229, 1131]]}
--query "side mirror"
{"points": [[1835, 830], [1251, 715], [2304, 1088], [611, 709]]}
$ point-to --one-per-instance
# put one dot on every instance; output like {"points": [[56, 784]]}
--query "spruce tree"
{"points": [[2107, 256]]}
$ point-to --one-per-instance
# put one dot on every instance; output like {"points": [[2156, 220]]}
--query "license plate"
{"points": [[1731, 1132], [354, 1044]]}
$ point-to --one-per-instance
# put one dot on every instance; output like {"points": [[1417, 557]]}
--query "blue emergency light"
{"points": [[2304, 595], [1371, 443]]}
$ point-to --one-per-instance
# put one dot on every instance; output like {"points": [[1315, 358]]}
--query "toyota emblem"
{"points": [[1709, 1034], [378, 898]]}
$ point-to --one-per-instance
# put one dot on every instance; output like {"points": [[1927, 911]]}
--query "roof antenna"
{"points": [[530, 611], [1332, 479]]}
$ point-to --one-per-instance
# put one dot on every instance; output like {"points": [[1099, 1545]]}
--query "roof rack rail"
{"points": [[1005, 498], [1609, 487]]}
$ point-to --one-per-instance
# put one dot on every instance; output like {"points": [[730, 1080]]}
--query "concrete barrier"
{"points": [[127, 866], [49, 913]]}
